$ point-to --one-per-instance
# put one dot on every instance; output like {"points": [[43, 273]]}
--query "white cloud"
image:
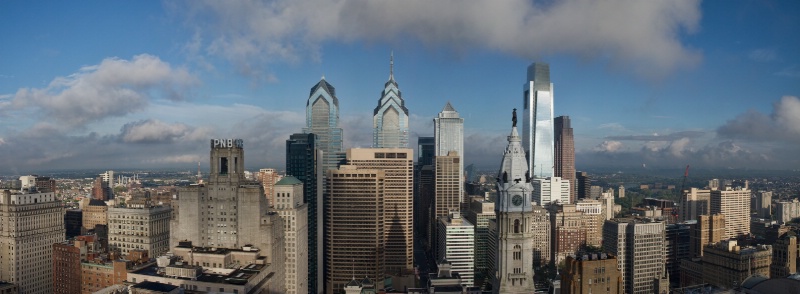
{"points": [[609, 147], [782, 125], [641, 36], [113, 88], [156, 131], [763, 55]]}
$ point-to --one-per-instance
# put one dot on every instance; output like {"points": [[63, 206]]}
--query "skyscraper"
{"points": [[479, 214], [390, 119], [397, 164], [584, 184], [355, 227], [514, 259], [457, 245], [565, 154], [290, 206], [735, 205], [449, 133], [426, 150], [537, 121], [640, 249], [32, 223], [447, 183], [322, 119]]}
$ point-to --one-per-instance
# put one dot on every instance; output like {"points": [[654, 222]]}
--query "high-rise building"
{"points": [[620, 192], [584, 184], [786, 211], [593, 219], [456, 238], [95, 212], [565, 154], [514, 261], [228, 211], [448, 130], [290, 206], [397, 163], [268, 177], [67, 256], [784, 256], [537, 121], [73, 222], [100, 190], [640, 248], [355, 226], [726, 264], [390, 118], [591, 273], [761, 204], [479, 214], [32, 223], [304, 162], [709, 229], [540, 229], [550, 190], [447, 182], [322, 119], [678, 240], [140, 224], [426, 150], [735, 205], [694, 203], [568, 231]]}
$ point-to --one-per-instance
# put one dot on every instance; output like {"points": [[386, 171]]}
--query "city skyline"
{"points": [[146, 89]]}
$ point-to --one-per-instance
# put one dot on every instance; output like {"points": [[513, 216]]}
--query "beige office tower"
{"points": [[290, 206], [227, 211], [695, 202], [784, 256], [95, 212], [593, 219], [540, 227], [709, 229], [640, 247], [268, 177], [447, 182], [568, 231], [726, 264], [31, 224], [354, 226], [398, 165], [140, 225], [735, 205]]}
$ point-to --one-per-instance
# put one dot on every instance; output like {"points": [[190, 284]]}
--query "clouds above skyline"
{"points": [[641, 37]]}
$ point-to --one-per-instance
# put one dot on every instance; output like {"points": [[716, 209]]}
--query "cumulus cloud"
{"points": [[156, 131], [641, 36], [782, 125], [657, 137], [113, 88], [608, 147]]}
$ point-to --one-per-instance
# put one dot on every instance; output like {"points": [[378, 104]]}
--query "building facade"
{"points": [[448, 131], [786, 211], [514, 261], [268, 177], [591, 273], [694, 203], [568, 231], [727, 265], [479, 214], [355, 226], [537, 121], [390, 118], [139, 225], [640, 249], [290, 206], [457, 245], [550, 190], [541, 235], [448, 184], [95, 212], [735, 205], [784, 256], [709, 229], [565, 154], [32, 223]]}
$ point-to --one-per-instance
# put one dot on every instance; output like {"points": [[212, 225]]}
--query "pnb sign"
{"points": [[227, 143]]}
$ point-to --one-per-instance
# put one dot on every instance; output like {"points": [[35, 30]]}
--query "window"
{"points": [[516, 226]]}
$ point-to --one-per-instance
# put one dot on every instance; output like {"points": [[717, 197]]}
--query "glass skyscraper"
{"points": [[390, 119], [448, 132], [537, 121]]}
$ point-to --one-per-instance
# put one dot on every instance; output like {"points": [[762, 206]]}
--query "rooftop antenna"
{"points": [[391, 65]]}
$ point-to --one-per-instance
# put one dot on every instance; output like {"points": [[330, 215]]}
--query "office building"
{"points": [[678, 237], [735, 205], [99, 273], [620, 192], [694, 203], [397, 164], [303, 161], [290, 206], [727, 265], [268, 177], [537, 121], [95, 212], [584, 184], [101, 190], [761, 204], [550, 190], [140, 224], [568, 231], [448, 131], [32, 223], [390, 118], [784, 256], [541, 234], [426, 150], [228, 211], [591, 273], [786, 211], [355, 226], [447, 183], [322, 119], [456, 238], [639, 245], [565, 154], [514, 240], [479, 214], [709, 229], [609, 208], [73, 222], [593, 219]]}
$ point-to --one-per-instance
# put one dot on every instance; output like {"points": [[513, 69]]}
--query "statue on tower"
{"points": [[514, 118]]}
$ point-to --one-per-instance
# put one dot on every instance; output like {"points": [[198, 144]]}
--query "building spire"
{"points": [[391, 65]]}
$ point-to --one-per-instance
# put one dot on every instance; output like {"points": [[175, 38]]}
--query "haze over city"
{"points": [[147, 84]]}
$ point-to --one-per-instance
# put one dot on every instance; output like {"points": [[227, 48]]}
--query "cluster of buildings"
{"points": [[386, 220]]}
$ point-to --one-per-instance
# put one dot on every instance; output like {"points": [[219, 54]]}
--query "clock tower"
{"points": [[514, 264]]}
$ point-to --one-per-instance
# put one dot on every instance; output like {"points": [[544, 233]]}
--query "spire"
{"points": [[391, 65]]}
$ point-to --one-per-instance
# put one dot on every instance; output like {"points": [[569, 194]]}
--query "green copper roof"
{"points": [[288, 181]]}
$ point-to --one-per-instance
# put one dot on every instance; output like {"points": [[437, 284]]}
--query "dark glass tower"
{"points": [[302, 162]]}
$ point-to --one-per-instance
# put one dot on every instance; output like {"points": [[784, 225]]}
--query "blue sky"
{"points": [[146, 84]]}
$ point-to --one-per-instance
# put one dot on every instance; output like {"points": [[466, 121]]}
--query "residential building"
{"points": [[735, 205], [786, 211], [639, 245], [32, 223], [457, 245], [591, 273], [290, 206], [565, 154], [537, 121], [390, 118]]}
